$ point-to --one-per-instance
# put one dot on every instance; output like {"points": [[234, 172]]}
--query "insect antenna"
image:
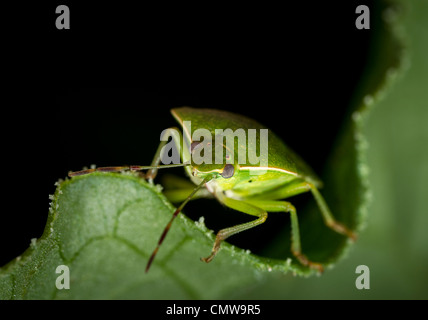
{"points": [[168, 226], [122, 168]]}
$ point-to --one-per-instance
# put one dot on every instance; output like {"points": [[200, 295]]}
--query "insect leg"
{"points": [[226, 233], [296, 249], [328, 217], [177, 137], [301, 186]]}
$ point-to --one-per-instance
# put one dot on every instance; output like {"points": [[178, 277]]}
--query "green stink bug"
{"points": [[235, 181]]}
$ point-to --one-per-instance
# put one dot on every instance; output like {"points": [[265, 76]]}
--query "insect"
{"points": [[243, 186]]}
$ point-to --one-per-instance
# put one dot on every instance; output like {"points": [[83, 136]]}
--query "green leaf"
{"points": [[394, 241], [346, 176], [105, 226]]}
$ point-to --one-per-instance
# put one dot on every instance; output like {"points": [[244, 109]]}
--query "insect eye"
{"points": [[228, 171]]}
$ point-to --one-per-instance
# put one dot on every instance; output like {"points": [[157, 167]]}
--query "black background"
{"points": [[107, 85]]}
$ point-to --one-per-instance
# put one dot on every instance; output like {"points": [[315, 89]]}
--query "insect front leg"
{"points": [[226, 233], [177, 141]]}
